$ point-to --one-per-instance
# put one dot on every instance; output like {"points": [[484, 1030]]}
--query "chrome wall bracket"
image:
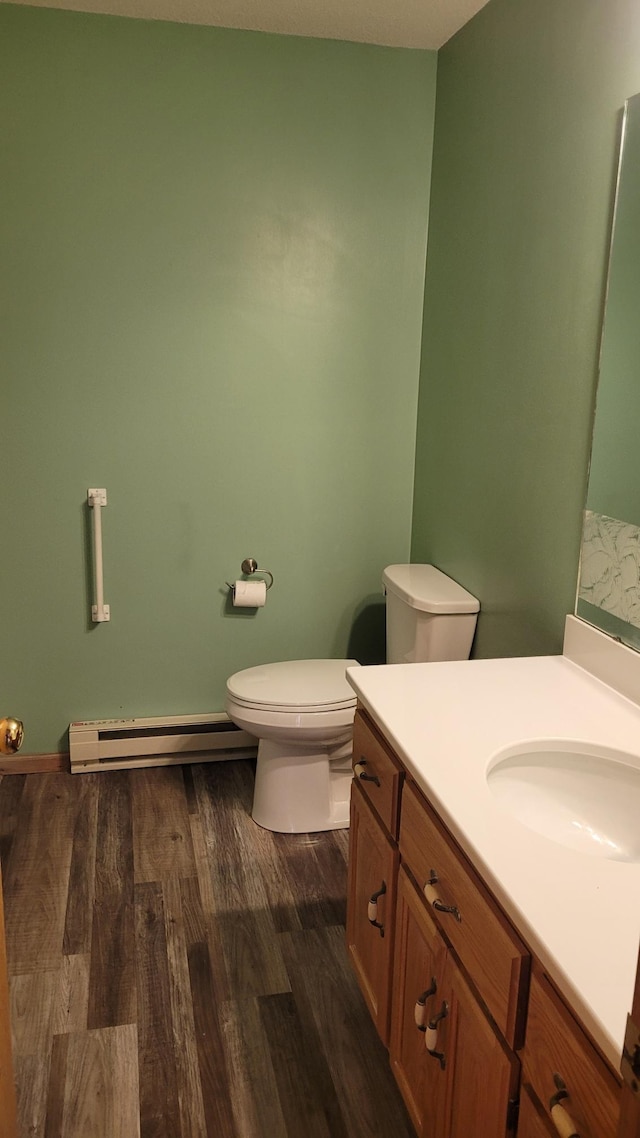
{"points": [[249, 568]]}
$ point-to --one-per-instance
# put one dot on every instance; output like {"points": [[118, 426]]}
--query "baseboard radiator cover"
{"points": [[120, 744]]}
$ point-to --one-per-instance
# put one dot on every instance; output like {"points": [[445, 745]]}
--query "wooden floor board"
{"points": [[101, 1085], [251, 1068], [317, 874], [212, 1060], [31, 999], [190, 790], [161, 837], [112, 978], [184, 927], [326, 992], [114, 856], [36, 874], [211, 934], [340, 839], [78, 916], [159, 1112], [55, 1093], [251, 953], [244, 923], [178, 972], [307, 1095], [45, 1006], [11, 788], [32, 1078], [261, 849], [70, 1007]]}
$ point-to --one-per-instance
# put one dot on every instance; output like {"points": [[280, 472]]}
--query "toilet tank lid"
{"points": [[424, 587]]}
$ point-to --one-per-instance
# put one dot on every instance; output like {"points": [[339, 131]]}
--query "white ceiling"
{"points": [[397, 23]]}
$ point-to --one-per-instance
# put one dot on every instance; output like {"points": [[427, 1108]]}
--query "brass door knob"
{"points": [[11, 735]]}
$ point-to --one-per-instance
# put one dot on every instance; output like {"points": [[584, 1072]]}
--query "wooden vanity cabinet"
{"points": [[447, 978], [456, 1075]]}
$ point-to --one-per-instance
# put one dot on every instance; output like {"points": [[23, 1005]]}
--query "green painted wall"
{"points": [[528, 115], [212, 270]]}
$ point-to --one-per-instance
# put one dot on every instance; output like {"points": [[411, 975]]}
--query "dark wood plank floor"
{"points": [[177, 972]]}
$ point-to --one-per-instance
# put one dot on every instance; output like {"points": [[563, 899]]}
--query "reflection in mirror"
{"points": [[609, 580]]}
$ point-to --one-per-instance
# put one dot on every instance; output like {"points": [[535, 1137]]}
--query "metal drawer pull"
{"points": [[419, 1011], [562, 1120], [372, 908], [434, 900], [362, 774], [431, 1035]]}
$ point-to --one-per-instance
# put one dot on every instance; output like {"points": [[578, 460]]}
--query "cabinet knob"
{"points": [[372, 908], [562, 1120], [362, 773], [433, 897]]}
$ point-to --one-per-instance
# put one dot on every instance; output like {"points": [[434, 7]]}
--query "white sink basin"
{"points": [[586, 798]]}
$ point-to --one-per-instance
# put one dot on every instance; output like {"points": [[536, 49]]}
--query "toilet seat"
{"points": [[294, 687]]}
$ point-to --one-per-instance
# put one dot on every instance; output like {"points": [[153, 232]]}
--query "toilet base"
{"points": [[301, 790]]}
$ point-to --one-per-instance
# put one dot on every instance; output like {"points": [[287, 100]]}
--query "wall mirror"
{"points": [[609, 576]]}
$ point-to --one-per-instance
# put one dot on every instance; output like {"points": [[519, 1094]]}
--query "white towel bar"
{"points": [[97, 499]]}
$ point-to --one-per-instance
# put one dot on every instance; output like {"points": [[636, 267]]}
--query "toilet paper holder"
{"points": [[249, 567]]}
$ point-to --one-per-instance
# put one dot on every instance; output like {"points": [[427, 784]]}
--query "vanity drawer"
{"points": [[493, 955], [378, 772], [556, 1048]]}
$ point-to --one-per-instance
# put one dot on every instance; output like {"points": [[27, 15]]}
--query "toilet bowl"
{"points": [[301, 712]]}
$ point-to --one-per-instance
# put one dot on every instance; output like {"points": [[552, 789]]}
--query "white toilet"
{"points": [[302, 714], [301, 711], [429, 616]]}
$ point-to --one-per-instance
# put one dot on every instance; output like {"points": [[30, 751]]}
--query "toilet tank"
{"points": [[429, 616]]}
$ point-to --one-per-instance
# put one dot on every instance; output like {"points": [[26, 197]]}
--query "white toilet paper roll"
{"points": [[250, 594]]}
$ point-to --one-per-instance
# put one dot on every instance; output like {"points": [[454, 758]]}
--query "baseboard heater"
{"points": [[119, 744]]}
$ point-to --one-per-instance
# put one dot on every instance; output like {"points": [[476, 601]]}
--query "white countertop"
{"points": [[579, 914]]}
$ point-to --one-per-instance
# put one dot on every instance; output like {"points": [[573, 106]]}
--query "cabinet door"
{"points": [[558, 1054], [418, 994], [373, 868], [482, 1073], [531, 1120]]}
